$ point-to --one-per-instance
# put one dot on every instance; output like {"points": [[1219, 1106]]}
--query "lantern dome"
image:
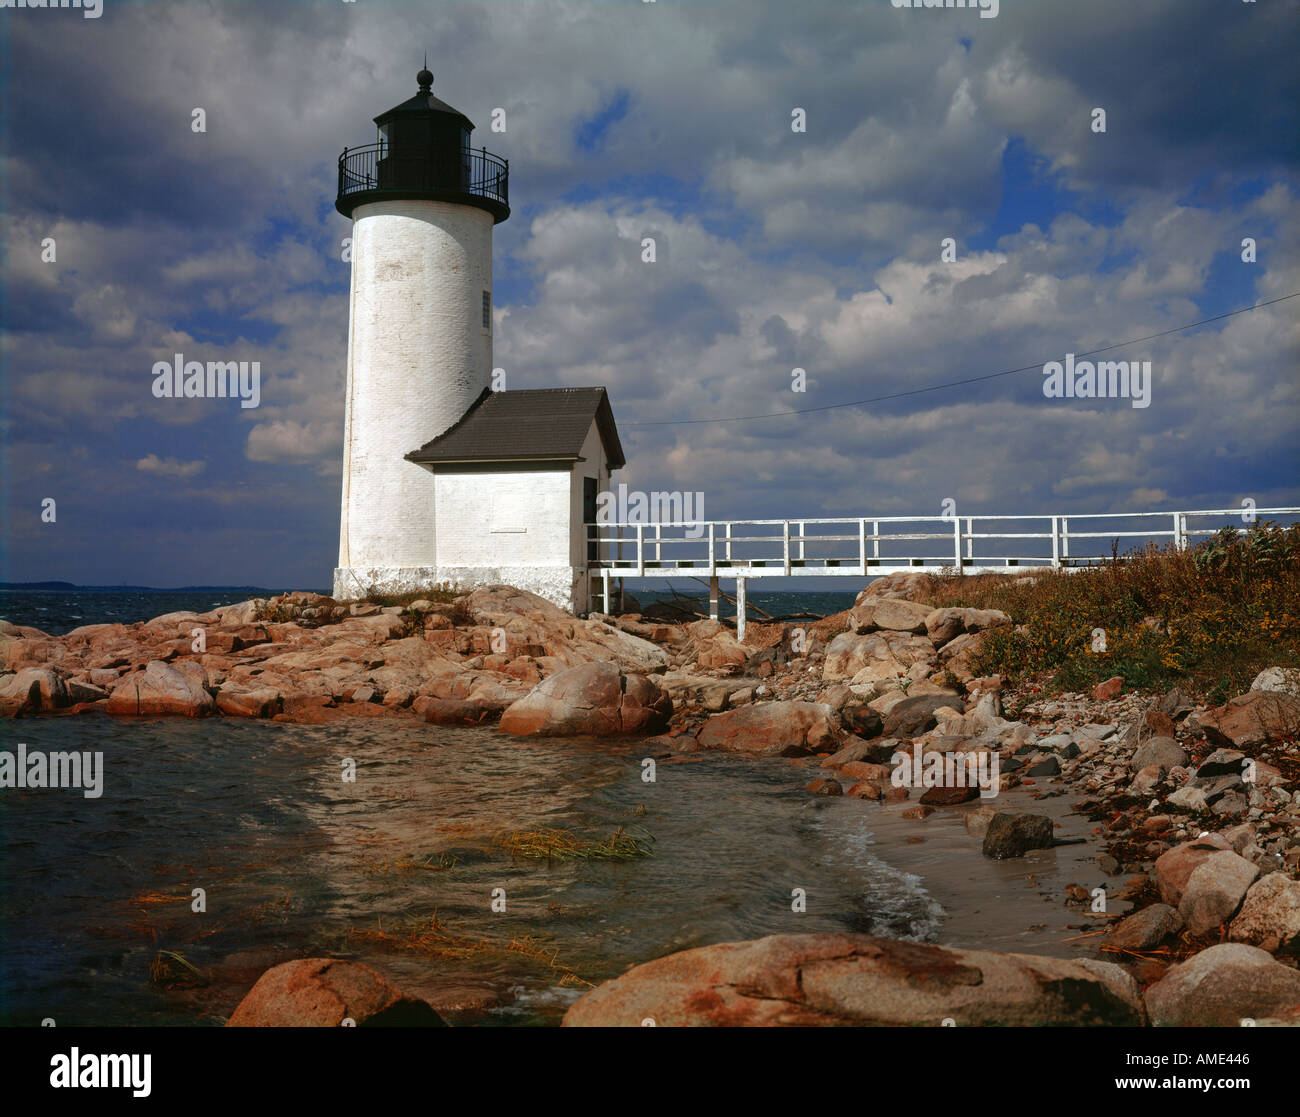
{"points": [[423, 151]]}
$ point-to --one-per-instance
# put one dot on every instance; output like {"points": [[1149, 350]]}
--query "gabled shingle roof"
{"points": [[542, 424]]}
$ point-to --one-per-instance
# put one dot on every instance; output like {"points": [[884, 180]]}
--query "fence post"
{"points": [[713, 598], [640, 550], [785, 545], [604, 577], [970, 531], [875, 540], [956, 538], [862, 545], [1056, 541], [1065, 537], [740, 609], [713, 561]]}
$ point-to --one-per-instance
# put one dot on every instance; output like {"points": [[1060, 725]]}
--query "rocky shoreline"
{"points": [[1195, 809]]}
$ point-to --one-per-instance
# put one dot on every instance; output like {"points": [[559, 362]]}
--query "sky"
{"points": [[776, 249]]}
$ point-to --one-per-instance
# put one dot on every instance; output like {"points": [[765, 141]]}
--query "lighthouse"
{"points": [[444, 479]]}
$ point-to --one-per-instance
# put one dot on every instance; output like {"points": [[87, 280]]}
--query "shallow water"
{"points": [[295, 862]]}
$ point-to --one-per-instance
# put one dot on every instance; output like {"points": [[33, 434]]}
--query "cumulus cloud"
{"points": [[775, 249], [170, 468], [286, 441]]}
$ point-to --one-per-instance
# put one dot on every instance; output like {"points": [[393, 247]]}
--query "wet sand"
{"points": [[1014, 905]]}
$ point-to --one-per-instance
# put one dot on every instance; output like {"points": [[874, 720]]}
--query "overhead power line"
{"points": [[955, 383]]}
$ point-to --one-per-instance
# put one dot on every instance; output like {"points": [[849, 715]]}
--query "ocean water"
{"points": [[57, 611], [294, 862], [96, 894]]}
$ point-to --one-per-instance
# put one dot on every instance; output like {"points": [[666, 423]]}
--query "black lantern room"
{"points": [[423, 151]]}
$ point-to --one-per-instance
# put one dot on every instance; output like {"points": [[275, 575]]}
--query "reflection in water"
{"points": [[398, 869]]}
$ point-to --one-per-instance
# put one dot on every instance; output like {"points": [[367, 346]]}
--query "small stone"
{"points": [[1111, 688], [864, 789], [1147, 778], [1013, 833], [824, 787], [1283, 680], [1158, 750], [1145, 929], [949, 796], [1189, 798], [977, 820], [1221, 762]]}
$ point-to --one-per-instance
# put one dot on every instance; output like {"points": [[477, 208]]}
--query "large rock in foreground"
{"points": [[772, 729], [592, 699], [808, 980], [163, 688], [323, 992], [1222, 986]]}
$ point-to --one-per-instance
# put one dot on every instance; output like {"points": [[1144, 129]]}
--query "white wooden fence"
{"points": [[869, 546]]}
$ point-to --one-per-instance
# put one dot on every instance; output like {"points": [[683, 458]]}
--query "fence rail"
{"points": [[871, 545]]}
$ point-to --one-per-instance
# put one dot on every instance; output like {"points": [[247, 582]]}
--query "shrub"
{"points": [[1207, 618]]}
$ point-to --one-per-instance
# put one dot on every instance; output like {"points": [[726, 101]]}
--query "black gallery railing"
{"points": [[374, 167]]}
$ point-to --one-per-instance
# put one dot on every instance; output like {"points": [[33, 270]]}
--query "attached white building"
{"points": [[502, 484], [515, 483]]}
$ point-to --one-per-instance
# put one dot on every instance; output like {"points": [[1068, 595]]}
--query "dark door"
{"points": [[589, 515]]}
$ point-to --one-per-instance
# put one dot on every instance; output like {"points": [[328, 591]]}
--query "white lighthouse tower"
{"points": [[422, 204], [444, 479]]}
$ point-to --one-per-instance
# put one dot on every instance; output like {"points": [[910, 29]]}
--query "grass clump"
{"points": [[1206, 619], [378, 865], [546, 844], [435, 939], [173, 970], [444, 593]]}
